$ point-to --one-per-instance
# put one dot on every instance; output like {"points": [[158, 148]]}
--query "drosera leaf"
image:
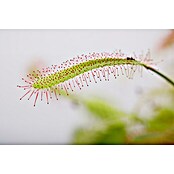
{"points": [[81, 71]]}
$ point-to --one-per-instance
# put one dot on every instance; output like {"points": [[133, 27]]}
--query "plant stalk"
{"points": [[160, 74]]}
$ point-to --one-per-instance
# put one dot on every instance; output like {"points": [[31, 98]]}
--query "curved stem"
{"points": [[160, 74]]}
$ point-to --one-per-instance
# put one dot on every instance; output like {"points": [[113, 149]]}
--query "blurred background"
{"points": [[121, 111]]}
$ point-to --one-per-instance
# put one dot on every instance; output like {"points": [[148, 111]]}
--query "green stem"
{"points": [[160, 74]]}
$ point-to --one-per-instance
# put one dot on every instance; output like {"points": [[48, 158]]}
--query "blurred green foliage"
{"points": [[102, 109], [107, 125], [159, 129], [113, 126], [163, 120], [107, 134]]}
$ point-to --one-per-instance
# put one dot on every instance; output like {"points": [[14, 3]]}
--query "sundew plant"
{"points": [[82, 70]]}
